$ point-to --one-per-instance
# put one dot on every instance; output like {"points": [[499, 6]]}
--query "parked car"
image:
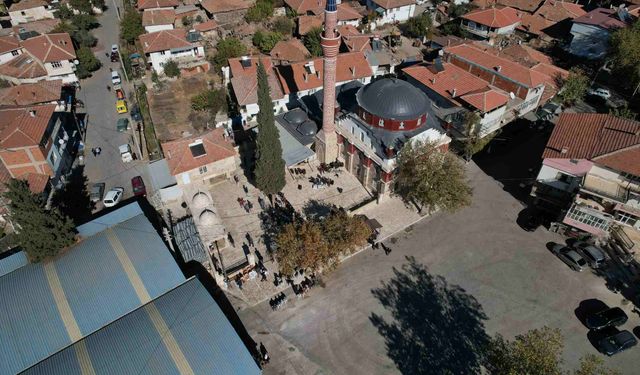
{"points": [[113, 197], [611, 317], [617, 342], [603, 93], [135, 113], [114, 48], [121, 106], [138, 186], [115, 78], [594, 255], [570, 257], [122, 125], [97, 191], [119, 94], [125, 153]]}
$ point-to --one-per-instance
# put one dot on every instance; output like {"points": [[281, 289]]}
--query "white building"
{"points": [[165, 45], [29, 11], [490, 22], [158, 19], [590, 33], [390, 11], [9, 48]]}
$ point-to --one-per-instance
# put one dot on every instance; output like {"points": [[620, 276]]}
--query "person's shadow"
{"points": [[437, 328]]}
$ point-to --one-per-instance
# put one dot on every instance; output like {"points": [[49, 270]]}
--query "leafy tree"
{"points": [[199, 19], [73, 199], [593, 365], [187, 21], [84, 21], [283, 25], [623, 112], [456, 10], [625, 51], [575, 87], [4, 83], [473, 143], [171, 69], [260, 11], [345, 233], [266, 40], [82, 6], [41, 233], [213, 101], [88, 62], [270, 168], [420, 26], [64, 13], [312, 41], [131, 26], [431, 178], [228, 48]]}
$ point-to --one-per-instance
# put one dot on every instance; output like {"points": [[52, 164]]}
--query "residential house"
{"points": [[590, 33], [207, 158], [349, 15], [289, 51], [43, 92], [38, 140], [158, 19], [207, 29], [35, 28], [552, 20], [306, 7], [156, 4], [29, 11], [492, 22], [165, 45], [9, 48], [526, 6], [590, 172], [44, 57], [391, 11], [308, 23], [226, 11]]}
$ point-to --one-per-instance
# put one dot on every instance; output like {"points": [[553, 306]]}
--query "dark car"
{"points": [[135, 113], [617, 342], [611, 317], [138, 186]]}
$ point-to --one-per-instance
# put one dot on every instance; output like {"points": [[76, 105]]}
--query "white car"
{"points": [[114, 48], [113, 197], [603, 93], [115, 78]]}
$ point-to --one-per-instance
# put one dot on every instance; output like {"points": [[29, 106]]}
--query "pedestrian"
{"points": [[106, 54], [387, 249], [264, 353], [245, 188], [93, 151], [231, 240], [108, 88], [98, 150], [249, 239], [236, 179]]}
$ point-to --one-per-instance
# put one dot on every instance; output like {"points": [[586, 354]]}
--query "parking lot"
{"points": [[517, 281]]}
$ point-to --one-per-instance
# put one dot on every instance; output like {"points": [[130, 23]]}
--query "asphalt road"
{"points": [[519, 284], [102, 116]]}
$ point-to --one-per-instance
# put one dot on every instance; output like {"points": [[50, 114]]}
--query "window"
{"points": [[202, 169], [419, 121], [381, 123], [401, 125], [578, 215], [15, 53], [53, 158], [23, 13], [626, 218], [163, 52], [353, 130], [56, 64], [362, 136]]}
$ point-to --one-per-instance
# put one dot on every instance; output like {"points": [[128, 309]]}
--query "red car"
{"points": [[138, 186]]}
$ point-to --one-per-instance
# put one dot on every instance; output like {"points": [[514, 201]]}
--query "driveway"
{"points": [[102, 116], [343, 328]]}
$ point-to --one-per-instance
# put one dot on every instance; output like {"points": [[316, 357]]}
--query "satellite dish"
{"points": [[512, 95], [76, 62]]}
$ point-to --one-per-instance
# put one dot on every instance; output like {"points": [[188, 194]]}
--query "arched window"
{"points": [[381, 123]]}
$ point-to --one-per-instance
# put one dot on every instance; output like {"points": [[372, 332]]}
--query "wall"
{"points": [[492, 121], [6, 57], [30, 15], [222, 167], [67, 69], [154, 28], [354, 23], [392, 15], [589, 41], [549, 175], [158, 59]]}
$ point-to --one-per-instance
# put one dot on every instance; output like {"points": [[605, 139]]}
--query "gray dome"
{"points": [[307, 128], [200, 200], [208, 218], [394, 99], [295, 117]]}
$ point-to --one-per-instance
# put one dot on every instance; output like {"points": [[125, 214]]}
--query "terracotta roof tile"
{"points": [[534, 24], [482, 4], [37, 181], [23, 66], [557, 11], [221, 6], [151, 17], [296, 77], [291, 50], [486, 99], [624, 160], [180, 158], [523, 54], [164, 40], [150, 4], [347, 13], [306, 23], [390, 4], [245, 80], [601, 17], [353, 39], [494, 17], [303, 6], [8, 44], [41, 26], [50, 47], [31, 93], [206, 26], [27, 4], [22, 127], [526, 5]]}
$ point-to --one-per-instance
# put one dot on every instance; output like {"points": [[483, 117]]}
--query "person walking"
{"points": [[93, 151], [245, 188], [108, 88], [264, 353], [236, 179], [387, 249]]}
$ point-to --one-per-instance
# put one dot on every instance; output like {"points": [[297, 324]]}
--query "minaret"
{"points": [[326, 139]]}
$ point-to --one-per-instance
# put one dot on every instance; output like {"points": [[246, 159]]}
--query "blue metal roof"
{"points": [[48, 306], [202, 335], [13, 262]]}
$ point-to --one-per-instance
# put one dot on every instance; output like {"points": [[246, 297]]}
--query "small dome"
{"points": [[393, 99], [295, 117], [208, 217], [200, 200], [307, 128]]}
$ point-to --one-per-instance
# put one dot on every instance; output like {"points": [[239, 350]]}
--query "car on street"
{"points": [[617, 342], [97, 191], [603, 93], [125, 153], [138, 186], [114, 48], [135, 113], [570, 257], [121, 106], [122, 125], [611, 317], [113, 197], [119, 94], [594, 255], [115, 78]]}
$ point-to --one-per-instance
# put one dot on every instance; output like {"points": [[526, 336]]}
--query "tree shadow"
{"points": [[73, 199], [246, 142], [273, 218], [315, 209], [437, 328]]}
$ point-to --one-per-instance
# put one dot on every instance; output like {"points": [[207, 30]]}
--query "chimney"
{"points": [[32, 112], [498, 68], [454, 92], [311, 68], [306, 77], [390, 152], [433, 80], [564, 150], [353, 71]]}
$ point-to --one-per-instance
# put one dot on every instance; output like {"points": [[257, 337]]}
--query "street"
{"points": [[102, 116], [519, 284]]}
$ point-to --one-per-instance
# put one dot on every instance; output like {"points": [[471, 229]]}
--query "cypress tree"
{"points": [[40, 232], [270, 168]]}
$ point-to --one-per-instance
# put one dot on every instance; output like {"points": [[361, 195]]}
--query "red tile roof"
{"points": [[534, 24], [390, 4], [50, 47], [180, 158], [556, 11], [150, 4], [347, 13], [164, 40], [303, 6], [37, 181], [41, 26], [601, 17], [8, 44], [245, 80], [353, 39], [31, 93], [23, 66], [206, 26], [486, 99], [27, 4], [508, 68], [306, 23], [605, 139], [526, 5], [152, 17], [350, 66], [291, 50], [525, 55], [221, 6], [21, 127], [494, 17]]}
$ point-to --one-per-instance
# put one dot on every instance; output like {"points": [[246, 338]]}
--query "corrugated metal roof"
{"points": [[161, 176], [202, 335], [48, 306], [13, 262], [188, 241]]}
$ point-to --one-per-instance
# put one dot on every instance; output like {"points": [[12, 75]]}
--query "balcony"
{"points": [[616, 193]]}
